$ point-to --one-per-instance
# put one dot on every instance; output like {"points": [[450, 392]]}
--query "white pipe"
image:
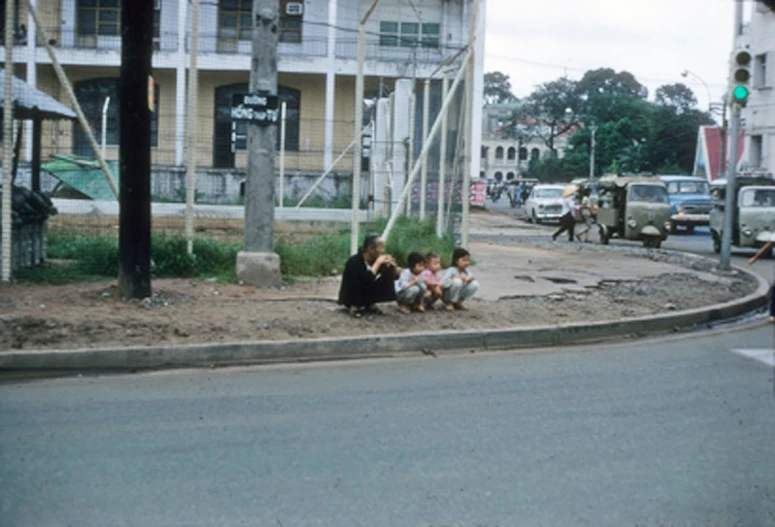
{"points": [[442, 158], [282, 152], [193, 87], [410, 154], [32, 78], [105, 125], [426, 102], [180, 85], [328, 146], [7, 144]]}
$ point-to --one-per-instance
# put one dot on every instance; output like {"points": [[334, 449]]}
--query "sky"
{"points": [[537, 41]]}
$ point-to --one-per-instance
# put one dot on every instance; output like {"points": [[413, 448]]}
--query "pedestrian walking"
{"points": [[586, 215], [567, 220]]}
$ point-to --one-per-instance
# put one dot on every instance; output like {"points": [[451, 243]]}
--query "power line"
{"points": [[511, 58]]}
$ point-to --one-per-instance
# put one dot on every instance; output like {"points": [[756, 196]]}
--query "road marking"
{"points": [[767, 356]]}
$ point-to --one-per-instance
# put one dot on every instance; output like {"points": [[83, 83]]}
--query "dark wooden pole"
{"points": [[37, 131], [134, 244]]}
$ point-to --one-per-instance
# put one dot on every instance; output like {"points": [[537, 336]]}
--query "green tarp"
{"points": [[84, 175]]}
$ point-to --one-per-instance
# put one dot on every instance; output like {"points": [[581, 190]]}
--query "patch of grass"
{"points": [[412, 235], [315, 256], [341, 202], [97, 256], [211, 258], [48, 274]]}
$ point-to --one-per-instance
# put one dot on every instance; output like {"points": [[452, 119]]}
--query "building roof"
{"points": [[30, 103]]}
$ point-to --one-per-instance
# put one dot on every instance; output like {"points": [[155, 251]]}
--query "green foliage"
{"points": [[410, 235], [96, 257], [59, 274], [209, 258], [318, 202], [314, 257], [497, 88]]}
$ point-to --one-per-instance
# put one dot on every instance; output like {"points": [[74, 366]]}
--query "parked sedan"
{"points": [[544, 203]]}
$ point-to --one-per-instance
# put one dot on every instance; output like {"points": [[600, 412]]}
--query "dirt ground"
{"points": [[191, 311]]}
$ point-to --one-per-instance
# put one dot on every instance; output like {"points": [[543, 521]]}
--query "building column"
{"points": [[180, 84], [32, 78], [478, 94], [379, 152], [328, 145], [401, 108]]}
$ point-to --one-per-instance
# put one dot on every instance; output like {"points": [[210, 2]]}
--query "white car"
{"points": [[544, 203]]}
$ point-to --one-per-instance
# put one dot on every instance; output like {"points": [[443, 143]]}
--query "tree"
{"points": [[547, 113], [677, 96], [497, 88], [607, 96], [675, 125]]}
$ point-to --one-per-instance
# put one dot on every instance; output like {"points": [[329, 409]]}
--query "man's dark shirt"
{"points": [[360, 288]]}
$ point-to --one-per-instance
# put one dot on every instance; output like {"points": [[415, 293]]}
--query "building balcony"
{"points": [[72, 39]]}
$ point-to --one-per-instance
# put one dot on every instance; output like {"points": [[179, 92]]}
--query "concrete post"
{"points": [[32, 79], [400, 118], [7, 251], [258, 264], [379, 156], [328, 147], [180, 86]]}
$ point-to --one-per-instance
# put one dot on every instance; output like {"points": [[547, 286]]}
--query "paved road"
{"points": [[699, 242], [664, 432]]}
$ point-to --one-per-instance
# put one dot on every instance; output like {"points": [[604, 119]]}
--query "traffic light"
{"points": [[741, 77]]}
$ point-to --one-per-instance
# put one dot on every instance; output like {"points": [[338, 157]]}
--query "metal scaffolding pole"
{"points": [[7, 143]]}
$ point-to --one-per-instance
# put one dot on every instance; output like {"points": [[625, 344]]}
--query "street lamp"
{"points": [[685, 73]]}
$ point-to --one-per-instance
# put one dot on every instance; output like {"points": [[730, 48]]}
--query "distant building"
{"points": [[317, 64], [707, 160], [758, 37], [506, 156]]}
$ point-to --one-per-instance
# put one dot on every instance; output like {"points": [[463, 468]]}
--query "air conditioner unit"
{"points": [[294, 8]]}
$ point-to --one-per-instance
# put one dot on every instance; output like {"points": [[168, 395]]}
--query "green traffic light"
{"points": [[740, 93]]}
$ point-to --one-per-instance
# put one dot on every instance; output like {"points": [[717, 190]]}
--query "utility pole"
{"points": [[257, 263], [193, 127], [738, 95], [134, 235], [7, 144], [593, 129], [729, 201]]}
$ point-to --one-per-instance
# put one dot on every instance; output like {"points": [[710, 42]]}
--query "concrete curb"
{"points": [[388, 345]]}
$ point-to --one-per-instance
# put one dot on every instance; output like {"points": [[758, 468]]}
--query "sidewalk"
{"points": [[540, 294]]}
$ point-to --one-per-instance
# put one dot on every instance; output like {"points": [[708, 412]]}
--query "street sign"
{"points": [[259, 108]]}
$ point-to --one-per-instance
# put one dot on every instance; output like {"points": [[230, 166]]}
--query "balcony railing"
{"points": [[72, 39], [345, 48], [214, 43]]}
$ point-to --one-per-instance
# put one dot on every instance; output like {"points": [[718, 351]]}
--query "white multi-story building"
{"points": [[316, 71], [505, 156], [758, 38]]}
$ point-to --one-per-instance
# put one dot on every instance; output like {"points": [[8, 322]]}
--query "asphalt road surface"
{"points": [[671, 431], [698, 242]]}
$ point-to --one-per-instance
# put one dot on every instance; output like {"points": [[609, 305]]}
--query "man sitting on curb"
{"points": [[369, 277]]}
